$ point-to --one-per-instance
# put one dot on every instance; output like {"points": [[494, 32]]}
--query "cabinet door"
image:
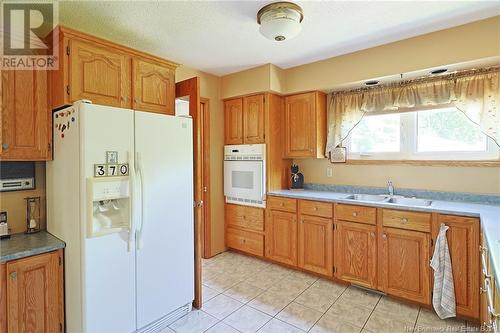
{"points": [[253, 119], [404, 264], [26, 119], [233, 122], [99, 74], [281, 237], [300, 125], [463, 242], [35, 294], [315, 244], [154, 87], [356, 253]]}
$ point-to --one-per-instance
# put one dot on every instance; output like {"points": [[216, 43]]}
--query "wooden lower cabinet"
{"points": [[315, 244], [356, 253], [281, 237], [404, 269], [245, 217], [245, 241], [34, 294], [463, 243]]}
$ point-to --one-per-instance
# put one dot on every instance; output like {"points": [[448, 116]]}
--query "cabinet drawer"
{"points": [[406, 220], [355, 213], [245, 217], [284, 204], [316, 208], [245, 241]]}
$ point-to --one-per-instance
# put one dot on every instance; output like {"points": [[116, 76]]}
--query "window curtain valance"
{"points": [[475, 93]]}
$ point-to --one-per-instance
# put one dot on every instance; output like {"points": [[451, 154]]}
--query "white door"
{"points": [[165, 236], [244, 179], [108, 263]]}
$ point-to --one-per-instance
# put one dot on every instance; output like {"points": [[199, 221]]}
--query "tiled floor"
{"points": [[243, 294]]}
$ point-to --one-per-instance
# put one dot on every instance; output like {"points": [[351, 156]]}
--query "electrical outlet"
{"points": [[329, 172]]}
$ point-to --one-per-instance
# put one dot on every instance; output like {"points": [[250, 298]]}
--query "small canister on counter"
{"points": [[32, 214]]}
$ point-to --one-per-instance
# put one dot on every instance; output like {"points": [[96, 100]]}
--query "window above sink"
{"points": [[430, 134]]}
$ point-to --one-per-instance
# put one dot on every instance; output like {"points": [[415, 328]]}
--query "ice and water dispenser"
{"points": [[111, 205]]}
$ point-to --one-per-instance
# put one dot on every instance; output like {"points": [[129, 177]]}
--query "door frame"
{"points": [[206, 226]]}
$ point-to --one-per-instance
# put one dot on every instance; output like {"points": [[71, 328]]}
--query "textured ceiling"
{"points": [[222, 37]]}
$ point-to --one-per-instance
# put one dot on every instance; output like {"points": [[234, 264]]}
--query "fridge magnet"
{"points": [[338, 155], [111, 157]]}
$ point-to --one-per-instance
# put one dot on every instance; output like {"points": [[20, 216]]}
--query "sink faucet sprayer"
{"points": [[390, 188]]}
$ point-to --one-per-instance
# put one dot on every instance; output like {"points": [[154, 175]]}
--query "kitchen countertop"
{"points": [[489, 214], [26, 245]]}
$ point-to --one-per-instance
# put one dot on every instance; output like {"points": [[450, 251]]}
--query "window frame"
{"points": [[408, 144]]}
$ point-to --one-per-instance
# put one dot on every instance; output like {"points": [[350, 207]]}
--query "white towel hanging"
{"points": [[443, 298]]}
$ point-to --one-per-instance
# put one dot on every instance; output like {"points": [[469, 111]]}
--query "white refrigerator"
{"points": [[120, 194]]}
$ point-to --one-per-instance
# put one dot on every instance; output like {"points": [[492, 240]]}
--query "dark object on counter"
{"points": [[32, 214], [297, 178], [4, 227], [17, 176]]}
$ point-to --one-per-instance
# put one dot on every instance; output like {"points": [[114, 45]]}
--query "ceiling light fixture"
{"points": [[280, 21]]}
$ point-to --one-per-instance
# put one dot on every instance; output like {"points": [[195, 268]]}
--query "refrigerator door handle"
{"points": [[140, 201], [133, 183]]}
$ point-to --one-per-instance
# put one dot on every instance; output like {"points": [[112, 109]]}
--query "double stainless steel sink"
{"points": [[397, 200]]}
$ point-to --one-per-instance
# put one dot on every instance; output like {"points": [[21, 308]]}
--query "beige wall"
{"points": [[210, 88], [15, 205], [249, 81], [460, 44], [437, 178], [477, 40]]}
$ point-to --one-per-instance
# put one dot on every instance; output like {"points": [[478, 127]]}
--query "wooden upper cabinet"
{"points": [[233, 121], [305, 125], [26, 120], [101, 71], [463, 243], [153, 87], [356, 253], [99, 74], [315, 244], [253, 119], [281, 237], [35, 294], [404, 269]]}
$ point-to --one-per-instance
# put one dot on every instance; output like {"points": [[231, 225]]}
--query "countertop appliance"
{"points": [[245, 174], [17, 176], [120, 194]]}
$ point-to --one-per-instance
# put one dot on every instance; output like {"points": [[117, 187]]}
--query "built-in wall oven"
{"points": [[245, 174]]}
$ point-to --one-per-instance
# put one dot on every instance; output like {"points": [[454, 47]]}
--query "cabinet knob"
{"points": [[282, 204], [13, 275], [5, 146], [404, 220], [315, 208], [372, 234], [244, 217], [384, 236], [355, 214]]}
